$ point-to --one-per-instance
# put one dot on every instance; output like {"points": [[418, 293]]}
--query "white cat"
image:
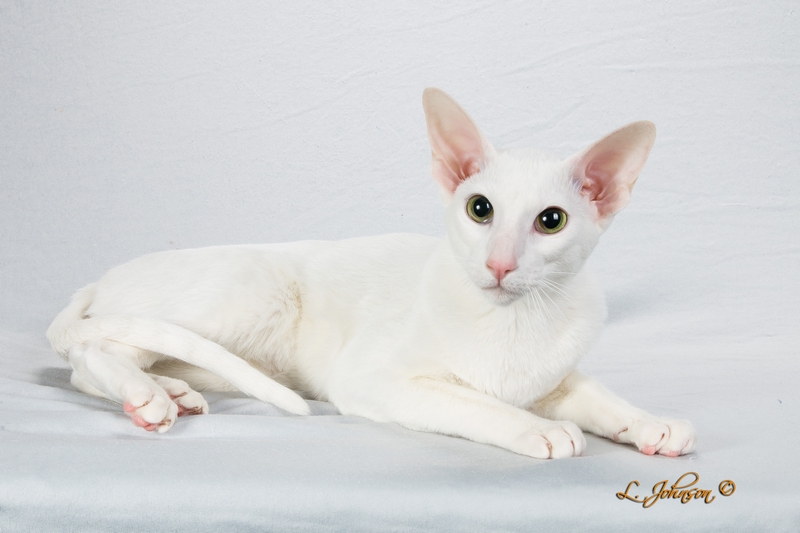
{"points": [[475, 335]]}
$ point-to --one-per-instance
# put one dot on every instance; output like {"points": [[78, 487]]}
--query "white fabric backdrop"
{"points": [[127, 129]]}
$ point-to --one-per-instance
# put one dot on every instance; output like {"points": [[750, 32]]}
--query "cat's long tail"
{"points": [[72, 327]]}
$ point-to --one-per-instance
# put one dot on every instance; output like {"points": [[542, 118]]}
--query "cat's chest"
{"points": [[519, 361]]}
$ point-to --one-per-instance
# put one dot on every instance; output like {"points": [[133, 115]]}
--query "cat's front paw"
{"points": [[664, 437], [150, 408], [551, 441]]}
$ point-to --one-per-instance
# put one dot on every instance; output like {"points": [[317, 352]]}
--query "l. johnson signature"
{"points": [[683, 489]]}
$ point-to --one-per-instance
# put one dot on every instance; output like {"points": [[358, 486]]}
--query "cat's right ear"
{"points": [[458, 147]]}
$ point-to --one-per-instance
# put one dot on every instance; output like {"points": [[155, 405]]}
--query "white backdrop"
{"points": [[139, 127], [127, 128]]}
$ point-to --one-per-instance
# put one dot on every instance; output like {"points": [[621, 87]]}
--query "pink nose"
{"points": [[501, 267]]}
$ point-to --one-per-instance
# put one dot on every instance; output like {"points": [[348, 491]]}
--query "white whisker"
{"points": [[559, 289], [558, 308]]}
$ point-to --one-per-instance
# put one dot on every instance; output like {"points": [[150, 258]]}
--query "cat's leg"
{"points": [[80, 383], [426, 404], [189, 402], [110, 370], [595, 409]]}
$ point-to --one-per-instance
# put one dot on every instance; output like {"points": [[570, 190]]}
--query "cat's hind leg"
{"points": [[111, 370], [593, 408], [80, 383], [189, 402]]}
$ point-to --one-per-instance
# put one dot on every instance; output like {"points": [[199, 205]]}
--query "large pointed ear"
{"points": [[607, 170], [459, 149]]}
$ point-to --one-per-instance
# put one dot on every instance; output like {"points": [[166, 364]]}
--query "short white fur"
{"points": [[475, 335]]}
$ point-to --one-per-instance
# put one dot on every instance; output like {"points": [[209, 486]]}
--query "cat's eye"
{"points": [[551, 220], [479, 209]]}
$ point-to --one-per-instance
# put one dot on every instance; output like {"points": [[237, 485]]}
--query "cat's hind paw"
{"points": [[150, 409], [561, 439], [659, 436], [189, 402], [157, 408]]}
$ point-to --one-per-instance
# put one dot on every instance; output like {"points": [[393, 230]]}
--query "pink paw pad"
{"points": [[142, 423], [649, 450], [671, 454]]}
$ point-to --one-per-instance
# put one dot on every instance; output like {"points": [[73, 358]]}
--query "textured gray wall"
{"points": [[127, 128]]}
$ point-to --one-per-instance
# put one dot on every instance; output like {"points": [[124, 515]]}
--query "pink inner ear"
{"points": [[457, 146], [606, 191], [467, 159], [608, 170], [457, 155], [600, 185], [470, 165]]}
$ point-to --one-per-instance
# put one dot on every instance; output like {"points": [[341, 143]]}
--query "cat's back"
{"points": [[195, 278], [369, 259]]}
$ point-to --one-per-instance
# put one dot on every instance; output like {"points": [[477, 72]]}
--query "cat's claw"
{"points": [[670, 438], [562, 439]]}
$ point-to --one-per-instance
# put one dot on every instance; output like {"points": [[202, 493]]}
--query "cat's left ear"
{"points": [[606, 171], [458, 147]]}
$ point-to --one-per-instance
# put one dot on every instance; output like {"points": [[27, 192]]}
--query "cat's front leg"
{"points": [[595, 409], [427, 404]]}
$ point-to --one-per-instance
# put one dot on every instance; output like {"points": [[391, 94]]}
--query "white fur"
{"points": [[401, 328]]}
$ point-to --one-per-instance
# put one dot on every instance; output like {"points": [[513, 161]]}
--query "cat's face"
{"points": [[520, 224], [519, 220]]}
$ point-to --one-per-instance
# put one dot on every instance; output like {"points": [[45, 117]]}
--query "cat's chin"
{"points": [[500, 295]]}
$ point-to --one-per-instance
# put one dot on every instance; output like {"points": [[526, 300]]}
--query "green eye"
{"points": [[551, 220], [479, 209]]}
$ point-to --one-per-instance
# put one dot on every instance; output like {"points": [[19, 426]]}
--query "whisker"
{"points": [[558, 308], [544, 306], [535, 303], [558, 289]]}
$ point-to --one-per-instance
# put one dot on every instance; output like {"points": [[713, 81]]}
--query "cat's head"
{"points": [[520, 219]]}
